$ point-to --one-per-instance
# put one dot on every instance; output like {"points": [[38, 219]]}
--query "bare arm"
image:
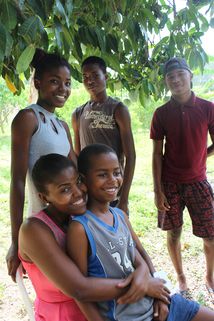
{"points": [[71, 154], [142, 283], [210, 149], [157, 158], [22, 129], [123, 121], [76, 134], [78, 248], [37, 243]]}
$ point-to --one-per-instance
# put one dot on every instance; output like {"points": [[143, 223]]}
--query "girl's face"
{"points": [[104, 178], [67, 193], [54, 88]]}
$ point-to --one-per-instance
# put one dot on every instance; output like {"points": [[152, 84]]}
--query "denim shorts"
{"points": [[181, 309]]}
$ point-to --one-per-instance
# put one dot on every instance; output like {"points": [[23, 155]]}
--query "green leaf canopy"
{"points": [[134, 37]]}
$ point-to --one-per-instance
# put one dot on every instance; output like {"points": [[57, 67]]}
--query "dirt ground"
{"points": [[12, 307]]}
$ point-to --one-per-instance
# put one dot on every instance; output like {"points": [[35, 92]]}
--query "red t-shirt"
{"points": [[184, 129]]}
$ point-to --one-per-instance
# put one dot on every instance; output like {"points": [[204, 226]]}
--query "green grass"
{"points": [[142, 211], [141, 204]]}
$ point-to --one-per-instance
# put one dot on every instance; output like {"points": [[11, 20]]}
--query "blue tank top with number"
{"points": [[112, 256]]}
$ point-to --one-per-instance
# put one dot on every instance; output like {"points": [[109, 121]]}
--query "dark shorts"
{"points": [[181, 309], [199, 200]]}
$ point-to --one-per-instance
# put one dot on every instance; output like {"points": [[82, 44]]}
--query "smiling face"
{"points": [[66, 193], [54, 88], [178, 82], [94, 79], [103, 178]]}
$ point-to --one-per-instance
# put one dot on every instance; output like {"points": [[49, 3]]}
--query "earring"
{"points": [[47, 204]]}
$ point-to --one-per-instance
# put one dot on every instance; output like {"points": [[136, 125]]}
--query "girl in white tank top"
{"points": [[36, 131]]}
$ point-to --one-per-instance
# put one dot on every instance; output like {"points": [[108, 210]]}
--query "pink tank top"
{"points": [[45, 290], [51, 304]]}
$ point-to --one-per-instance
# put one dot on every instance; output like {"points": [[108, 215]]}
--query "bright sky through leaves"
{"points": [[207, 39]]}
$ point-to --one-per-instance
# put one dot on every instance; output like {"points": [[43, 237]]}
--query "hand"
{"points": [[13, 261], [157, 289], [138, 281], [161, 202], [161, 311]]}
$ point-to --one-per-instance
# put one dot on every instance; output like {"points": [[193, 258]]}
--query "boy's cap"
{"points": [[175, 63]]}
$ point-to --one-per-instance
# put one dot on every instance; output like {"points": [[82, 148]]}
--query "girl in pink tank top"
{"points": [[51, 303], [56, 279]]}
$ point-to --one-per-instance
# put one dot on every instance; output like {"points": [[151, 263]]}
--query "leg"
{"points": [[204, 314], [209, 255], [200, 203], [174, 249], [172, 221]]}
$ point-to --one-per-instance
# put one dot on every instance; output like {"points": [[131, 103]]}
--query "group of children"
{"points": [[109, 274]]}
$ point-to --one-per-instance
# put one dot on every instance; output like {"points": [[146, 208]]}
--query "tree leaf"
{"points": [[78, 48], [171, 45], [3, 41], [160, 45], [123, 32], [101, 38], [10, 85], [60, 12], [9, 15], [67, 35], [25, 59], [28, 30], [142, 97], [76, 74]]}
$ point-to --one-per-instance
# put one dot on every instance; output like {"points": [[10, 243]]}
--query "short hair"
{"points": [[43, 62], [46, 169], [92, 60], [84, 159]]}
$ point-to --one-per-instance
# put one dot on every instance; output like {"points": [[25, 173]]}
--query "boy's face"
{"points": [[67, 193], [104, 178], [94, 79], [178, 81]]}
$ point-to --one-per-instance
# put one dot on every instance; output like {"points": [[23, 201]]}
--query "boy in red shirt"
{"points": [[179, 131]]}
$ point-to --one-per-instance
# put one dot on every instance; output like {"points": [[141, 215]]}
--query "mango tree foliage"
{"points": [[135, 37]]}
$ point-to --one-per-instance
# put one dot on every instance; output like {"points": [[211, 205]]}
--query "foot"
{"points": [[182, 284], [210, 284], [210, 290]]}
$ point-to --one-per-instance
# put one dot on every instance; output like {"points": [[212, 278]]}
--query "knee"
{"points": [[174, 235]]}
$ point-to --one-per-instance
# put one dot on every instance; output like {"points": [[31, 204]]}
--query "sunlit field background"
{"points": [[142, 210]]}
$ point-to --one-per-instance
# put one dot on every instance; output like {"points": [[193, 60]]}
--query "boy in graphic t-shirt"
{"points": [[105, 120]]}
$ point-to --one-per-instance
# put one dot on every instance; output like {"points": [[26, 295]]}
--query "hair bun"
{"points": [[38, 56]]}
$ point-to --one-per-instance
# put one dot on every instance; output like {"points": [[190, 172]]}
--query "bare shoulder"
{"points": [[64, 124], [122, 112], [33, 234], [76, 228], [25, 117], [31, 226], [25, 114]]}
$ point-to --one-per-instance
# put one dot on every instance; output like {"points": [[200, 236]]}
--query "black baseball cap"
{"points": [[175, 63]]}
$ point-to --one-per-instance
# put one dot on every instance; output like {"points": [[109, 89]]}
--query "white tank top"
{"points": [[50, 137]]}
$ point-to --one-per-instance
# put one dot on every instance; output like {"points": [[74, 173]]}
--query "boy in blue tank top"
{"points": [[101, 244]]}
